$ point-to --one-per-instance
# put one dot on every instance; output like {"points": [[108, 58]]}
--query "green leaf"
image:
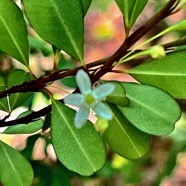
{"points": [[66, 64], [150, 109], [59, 22], [167, 73], [118, 97], [69, 81], [3, 101], [80, 150], [13, 32], [25, 128], [16, 77], [86, 5], [125, 139], [14, 168], [131, 9]]}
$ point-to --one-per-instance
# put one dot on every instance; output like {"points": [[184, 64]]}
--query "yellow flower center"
{"points": [[90, 99]]}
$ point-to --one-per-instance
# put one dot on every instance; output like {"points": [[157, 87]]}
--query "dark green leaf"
{"points": [[13, 32], [14, 168], [86, 5], [167, 73], [150, 109], [60, 22], [124, 138], [66, 64], [69, 82], [80, 150], [118, 97], [25, 128], [131, 9]]}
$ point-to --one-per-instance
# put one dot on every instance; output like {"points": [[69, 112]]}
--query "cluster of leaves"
{"points": [[139, 109]]}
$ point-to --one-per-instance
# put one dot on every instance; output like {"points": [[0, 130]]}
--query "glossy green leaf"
{"points": [[25, 128], [131, 9], [86, 5], [13, 32], [118, 97], [125, 139], [14, 168], [150, 109], [16, 77], [80, 150], [167, 73], [59, 22]]}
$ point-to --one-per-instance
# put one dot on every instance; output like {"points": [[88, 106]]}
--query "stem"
{"points": [[132, 39]]}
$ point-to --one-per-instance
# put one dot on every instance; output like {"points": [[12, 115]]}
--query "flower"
{"points": [[89, 99]]}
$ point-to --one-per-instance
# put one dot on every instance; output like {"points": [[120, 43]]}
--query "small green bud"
{"points": [[101, 125], [157, 51]]}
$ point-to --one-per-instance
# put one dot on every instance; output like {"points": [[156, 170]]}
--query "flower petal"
{"points": [[102, 111], [81, 117], [83, 81], [103, 90], [74, 99]]}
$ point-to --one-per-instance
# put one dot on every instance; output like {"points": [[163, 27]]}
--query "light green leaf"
{"points": [[150, 109], [167, 73], [86, 5], [131, 9], [80, 150], [13, 32], [60, 22], [125, 139], [118, 97], [25, 128], [14, 168], [16, 77]]}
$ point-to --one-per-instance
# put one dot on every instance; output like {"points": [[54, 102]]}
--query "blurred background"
{"points": [[164, 165]]}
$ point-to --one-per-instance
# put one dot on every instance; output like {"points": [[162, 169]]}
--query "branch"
{"points": [[40, 83], [138, 34]]}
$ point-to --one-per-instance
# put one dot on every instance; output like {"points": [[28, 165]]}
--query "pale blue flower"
{"points": [[89, 99]]}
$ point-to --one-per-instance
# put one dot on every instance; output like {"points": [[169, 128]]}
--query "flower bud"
{"points": [[157, 51]]}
